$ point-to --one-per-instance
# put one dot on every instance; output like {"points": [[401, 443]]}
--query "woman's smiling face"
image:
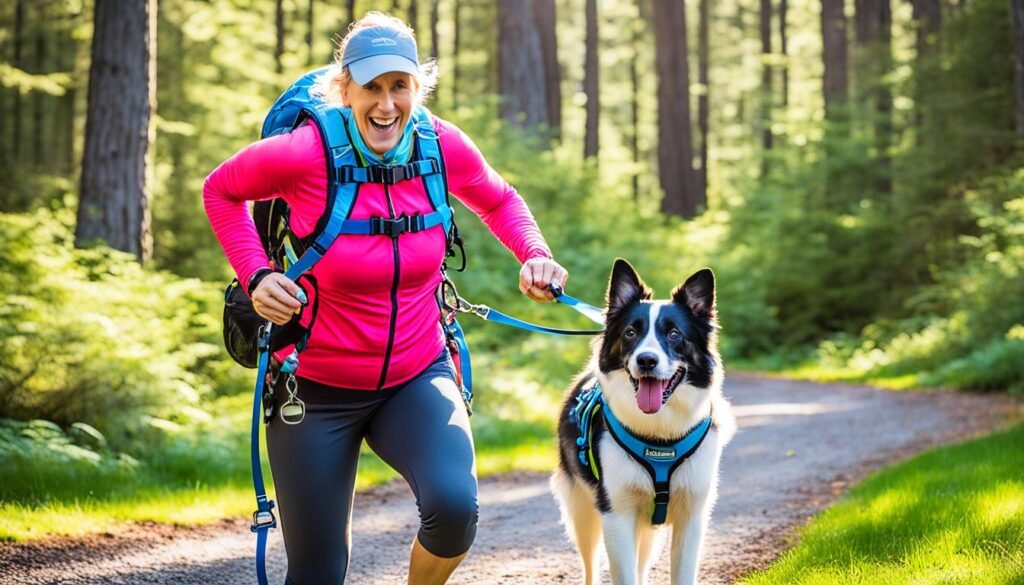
{"points": [[381, 108]]}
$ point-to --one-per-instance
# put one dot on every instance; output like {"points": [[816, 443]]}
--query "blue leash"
{"points": [[489, 314]]}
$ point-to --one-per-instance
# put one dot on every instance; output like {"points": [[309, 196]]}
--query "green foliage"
{"points": [[952, 516], [89, 336]]}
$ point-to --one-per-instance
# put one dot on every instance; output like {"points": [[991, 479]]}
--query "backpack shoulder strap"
{"points": [[428, 148]]}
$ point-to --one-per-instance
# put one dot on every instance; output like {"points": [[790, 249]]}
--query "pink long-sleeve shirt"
{"points": [[370, 332]]}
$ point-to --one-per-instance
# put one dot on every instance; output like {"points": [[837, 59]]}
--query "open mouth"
{"points": [[652, 393], [383, 124]]}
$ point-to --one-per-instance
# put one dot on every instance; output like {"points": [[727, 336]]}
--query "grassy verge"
{"points": [[953, 515], [53, 486]]}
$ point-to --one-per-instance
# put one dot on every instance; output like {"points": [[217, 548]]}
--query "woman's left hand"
{"points": [[537, 274]]}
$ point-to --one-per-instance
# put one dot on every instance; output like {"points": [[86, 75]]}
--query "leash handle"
{"points": [[589, 311]]}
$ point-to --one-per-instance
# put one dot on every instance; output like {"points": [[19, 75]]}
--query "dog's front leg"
{"points": [[620, 541], [687, 539]]}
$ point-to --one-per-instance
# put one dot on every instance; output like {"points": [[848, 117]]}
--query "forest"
{"points": [[851, 171]]}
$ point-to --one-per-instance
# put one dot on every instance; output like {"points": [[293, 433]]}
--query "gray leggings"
{"points": [[419, 428]]}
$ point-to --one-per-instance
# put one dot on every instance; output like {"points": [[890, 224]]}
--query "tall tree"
{"points": [[19, 41], [784, 51], [435, 43], [591, 85], [114, 202], [520, 57], [414, 14], [675, 150], [352, 12], [638, 30], [835, 56], [310, 53], [456, 49], [873, 24], [544, 19], [766, 77], [1017, 7], [279, 35], [43, 103], [703, 103]]}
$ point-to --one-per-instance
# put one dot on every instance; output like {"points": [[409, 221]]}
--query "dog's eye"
{"points": [[629, 333], [675, 335]]}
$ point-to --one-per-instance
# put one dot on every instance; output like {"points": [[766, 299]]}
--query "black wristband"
{"points": [[256, 278]]}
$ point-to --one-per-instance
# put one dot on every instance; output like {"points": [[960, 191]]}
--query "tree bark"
{"points": [[834, 54], [703, 103], [19, 39], [279, 33], [114, 202], [874, 37], [766, 81], [310, 53], [545, 20], [1018, 33], [414, 14], [784, 51], [456, 49], [42, 102], [634, 100], [435, 43], [591, 83], [521, 82], [352, 13], [675, 151]]}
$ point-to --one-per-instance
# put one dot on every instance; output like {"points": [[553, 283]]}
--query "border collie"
{"points": [[642, 431]]}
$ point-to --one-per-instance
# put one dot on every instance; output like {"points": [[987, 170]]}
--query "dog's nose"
{"points": [[647, 361]]}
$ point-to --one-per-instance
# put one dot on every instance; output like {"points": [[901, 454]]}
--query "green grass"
{"points": [[48, 491], [953, 515]]}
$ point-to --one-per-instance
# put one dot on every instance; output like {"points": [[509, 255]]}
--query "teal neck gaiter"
{"points": [[400, 154]]}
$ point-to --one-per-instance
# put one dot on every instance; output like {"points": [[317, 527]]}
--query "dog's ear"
{"points": [[698, 294], [625, 287]]}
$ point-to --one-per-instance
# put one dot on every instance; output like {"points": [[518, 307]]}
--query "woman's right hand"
{"points": [[275, 298]]}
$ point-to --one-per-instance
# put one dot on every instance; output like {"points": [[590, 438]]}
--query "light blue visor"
{"points": [[377, 50]]}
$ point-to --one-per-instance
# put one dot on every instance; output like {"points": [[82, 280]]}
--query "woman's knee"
{"points": [[448, 522]]}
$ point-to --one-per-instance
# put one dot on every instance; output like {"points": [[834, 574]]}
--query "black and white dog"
{"points": [[642, 431]]}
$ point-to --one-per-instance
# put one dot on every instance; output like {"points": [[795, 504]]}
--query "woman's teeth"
{"points": [[383, 124]]}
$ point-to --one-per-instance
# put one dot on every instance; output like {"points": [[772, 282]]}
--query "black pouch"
{"points": [[242, 328]]}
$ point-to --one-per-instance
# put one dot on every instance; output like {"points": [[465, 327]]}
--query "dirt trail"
{"points": [[799, 445]]}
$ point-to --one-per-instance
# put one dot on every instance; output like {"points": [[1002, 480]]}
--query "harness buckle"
{"points": [[388, 175], [264, 519], [661, 497], [391, 227]]}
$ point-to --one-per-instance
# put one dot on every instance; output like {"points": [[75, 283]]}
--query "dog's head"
{"points": [[659, 345]]}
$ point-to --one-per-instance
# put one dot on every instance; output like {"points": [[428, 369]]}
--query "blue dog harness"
{"points": [[659, 459]]}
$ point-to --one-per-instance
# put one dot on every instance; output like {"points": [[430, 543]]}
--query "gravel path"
{"points": [[799, 446]]}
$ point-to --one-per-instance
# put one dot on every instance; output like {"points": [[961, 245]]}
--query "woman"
{"points": [[375, 365]]}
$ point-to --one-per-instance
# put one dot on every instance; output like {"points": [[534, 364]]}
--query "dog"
{"points": [[659, 377]]}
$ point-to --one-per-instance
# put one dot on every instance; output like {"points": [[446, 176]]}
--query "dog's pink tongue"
{"points": [[649, 395]]}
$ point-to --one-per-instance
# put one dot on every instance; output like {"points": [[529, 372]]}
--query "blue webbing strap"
{"points": [[659, 460], [589, 311], [493, 315], [263, 518]]}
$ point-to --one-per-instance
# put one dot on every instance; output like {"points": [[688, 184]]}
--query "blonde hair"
{"points": [[330, 84]]}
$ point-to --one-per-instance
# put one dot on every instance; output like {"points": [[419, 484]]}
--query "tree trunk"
{"points": [[834, 54], [703, 104], [19, 39], [784, 51], [310, 53], [42, 102], [414, 14], [456, 50], [114, 203], [435, 43], [520, 58], [1018, 33], [874, 37], [545, 21], [591, 83], [352, 13], [766, 81], [279, 32], [675, 151], [634, 101]]}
